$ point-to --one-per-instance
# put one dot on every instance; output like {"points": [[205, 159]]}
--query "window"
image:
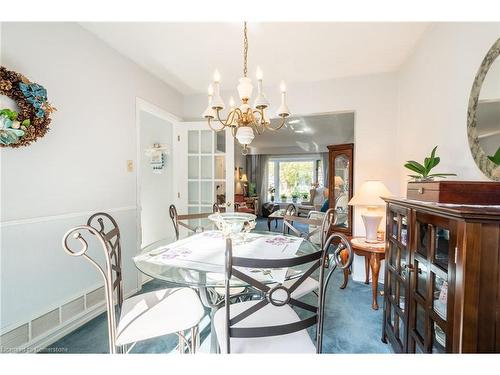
{"points": [[294, 176]]}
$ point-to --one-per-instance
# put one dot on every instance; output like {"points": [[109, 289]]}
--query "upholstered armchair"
{"points": [[317, 197], [246, 204]]}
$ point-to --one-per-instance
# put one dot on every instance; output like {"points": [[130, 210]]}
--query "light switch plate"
{"points": [[130, 165]]}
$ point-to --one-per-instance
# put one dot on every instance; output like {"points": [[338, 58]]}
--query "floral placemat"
{"points": [[206, 252]]}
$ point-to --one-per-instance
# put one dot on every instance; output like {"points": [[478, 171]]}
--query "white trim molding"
{"points": [[70, 215]]}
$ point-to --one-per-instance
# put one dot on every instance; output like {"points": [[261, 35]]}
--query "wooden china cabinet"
{"points": [[442, 278], [340, 185]]}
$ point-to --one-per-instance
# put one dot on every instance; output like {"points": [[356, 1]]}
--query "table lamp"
{"points": [[338, 181], [369, 195]]}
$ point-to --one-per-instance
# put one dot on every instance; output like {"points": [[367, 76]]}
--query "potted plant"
{"points": [[305, 196], [423, 170], [295, 196], [272, 190], [283, 197]]}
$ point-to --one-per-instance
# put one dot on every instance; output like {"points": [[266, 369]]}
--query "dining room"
{"points": [[208, 201]]}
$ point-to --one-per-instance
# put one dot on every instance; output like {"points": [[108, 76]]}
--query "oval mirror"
{"points": [[483, 117]]}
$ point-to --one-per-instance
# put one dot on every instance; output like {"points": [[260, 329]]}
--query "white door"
{"points": [[204, 168]]}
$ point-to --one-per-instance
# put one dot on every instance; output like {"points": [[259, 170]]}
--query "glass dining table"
{"points": [[197, 261]]}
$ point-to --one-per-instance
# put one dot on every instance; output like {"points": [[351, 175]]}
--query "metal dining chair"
{"points": [[315, 227], [143, 316], [183, 220], [271, 325]]}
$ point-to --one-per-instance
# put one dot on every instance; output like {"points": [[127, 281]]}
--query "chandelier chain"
{"points": [[245, 49]]}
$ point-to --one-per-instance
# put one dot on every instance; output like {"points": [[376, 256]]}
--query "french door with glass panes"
{"points": [[205, 168]]}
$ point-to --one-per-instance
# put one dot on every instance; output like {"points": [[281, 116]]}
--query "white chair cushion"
{"points": [[308, 285], [232, 291], [269, 315], [158, 313]]}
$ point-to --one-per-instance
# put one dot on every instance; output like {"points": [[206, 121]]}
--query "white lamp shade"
{"points": [[218, 102], [245, 135], [261, 102], [209, 112], [283, 110], [338, 181], [245, 88], [369, 194]]}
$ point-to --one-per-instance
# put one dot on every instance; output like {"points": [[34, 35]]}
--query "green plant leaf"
{"points": [[13, 115], [495, 158], [415, 166], [431, 161]]}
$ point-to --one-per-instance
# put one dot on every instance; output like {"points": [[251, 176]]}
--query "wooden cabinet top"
{"points": [[468, 212]]}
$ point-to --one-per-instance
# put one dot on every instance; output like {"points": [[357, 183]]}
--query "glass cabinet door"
{"points": [[340, 189], [396, 277], [432, 264]]}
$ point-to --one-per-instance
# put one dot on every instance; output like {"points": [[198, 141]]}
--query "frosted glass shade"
{"points": [[283, 110], [261, 102], [218, 102], [245, 135], [245, 88], [369, 194], [209, 112]]}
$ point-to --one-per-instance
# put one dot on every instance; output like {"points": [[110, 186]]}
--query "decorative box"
{"points": [[455, 192]]}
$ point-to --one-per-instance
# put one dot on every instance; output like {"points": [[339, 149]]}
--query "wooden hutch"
{"points": [[442, 278]]}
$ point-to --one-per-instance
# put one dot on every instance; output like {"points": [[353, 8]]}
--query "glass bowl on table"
{"points": [[233, 224]]}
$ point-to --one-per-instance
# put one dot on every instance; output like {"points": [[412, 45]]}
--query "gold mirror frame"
{"points": [[490, 169]]}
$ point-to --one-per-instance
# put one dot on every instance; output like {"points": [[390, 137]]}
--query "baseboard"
{"points": [[48, 338]]}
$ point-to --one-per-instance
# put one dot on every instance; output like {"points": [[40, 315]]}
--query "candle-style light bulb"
{"points": [[210, 90], [216, 76], [282, 87], [259, 74], [231, 102]]}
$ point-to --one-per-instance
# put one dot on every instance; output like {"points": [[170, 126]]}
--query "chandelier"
{"points": [[244, 121]]}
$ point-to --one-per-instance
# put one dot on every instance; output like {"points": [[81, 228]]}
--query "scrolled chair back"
{"points": [[326, 225], [181, 220], [105, 229], [335, 244], [291, 210], [333, 248]]}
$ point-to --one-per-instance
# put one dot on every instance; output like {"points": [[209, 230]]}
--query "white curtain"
{"points": [[324, 162]]}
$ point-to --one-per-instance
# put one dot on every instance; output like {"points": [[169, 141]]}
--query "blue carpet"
{"points": [[351, 326]]}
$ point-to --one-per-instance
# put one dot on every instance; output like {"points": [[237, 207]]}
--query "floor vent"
{"points": [[95, 297], [33, 331], [72, 309], [17, 338], [45, 323]]}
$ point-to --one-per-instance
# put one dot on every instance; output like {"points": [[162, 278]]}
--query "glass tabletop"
{"points": [[278, 214], [202, 273]]}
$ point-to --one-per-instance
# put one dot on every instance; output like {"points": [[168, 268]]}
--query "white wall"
{"points": [[77, 168], [156, 190], [434, 89], [373, 98]]}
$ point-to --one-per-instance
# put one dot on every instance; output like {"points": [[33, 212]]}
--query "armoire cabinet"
{"points": [[442, 278]]}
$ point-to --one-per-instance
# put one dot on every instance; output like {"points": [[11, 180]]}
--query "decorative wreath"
{"points": [[33, 118]]}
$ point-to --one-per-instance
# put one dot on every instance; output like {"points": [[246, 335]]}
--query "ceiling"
{"points": [[185, 55], [306, 134]]}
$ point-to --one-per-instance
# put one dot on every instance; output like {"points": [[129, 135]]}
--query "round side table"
{"points": [[374, 253]]}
